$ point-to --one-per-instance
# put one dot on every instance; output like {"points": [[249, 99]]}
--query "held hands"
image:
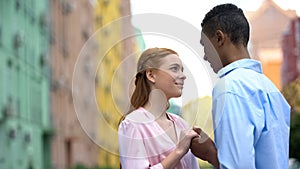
{"points": [[185, 140], [200, 144], [204, 148], [181, 149]]}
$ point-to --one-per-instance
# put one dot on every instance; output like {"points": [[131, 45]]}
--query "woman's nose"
{"points": [[182, 76]]}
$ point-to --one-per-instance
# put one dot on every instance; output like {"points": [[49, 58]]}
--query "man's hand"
{"points": [[204, 148]]}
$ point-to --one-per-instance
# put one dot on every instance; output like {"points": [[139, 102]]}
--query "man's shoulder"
{"points": [[244, 82]]}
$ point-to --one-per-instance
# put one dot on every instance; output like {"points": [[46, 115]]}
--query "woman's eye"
{"points": [[174, 69]]}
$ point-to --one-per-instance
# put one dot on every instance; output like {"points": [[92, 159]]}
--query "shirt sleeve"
{"points": [[234, 130], [132, 150]]}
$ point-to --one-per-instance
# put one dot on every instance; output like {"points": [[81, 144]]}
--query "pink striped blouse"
{"points": [[143, 144]]}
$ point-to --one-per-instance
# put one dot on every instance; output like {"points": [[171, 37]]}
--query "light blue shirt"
{"points": [[251, 119]]}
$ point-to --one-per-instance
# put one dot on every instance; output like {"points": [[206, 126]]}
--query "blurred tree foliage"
{"points": [[292, 94], [82, 166], [295, 137]]}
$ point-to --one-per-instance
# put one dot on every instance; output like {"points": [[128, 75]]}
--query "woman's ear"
{"points": [[150, 74]]}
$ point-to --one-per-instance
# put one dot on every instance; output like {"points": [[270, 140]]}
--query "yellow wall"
{"points": [[105, 12], [198, 113]]}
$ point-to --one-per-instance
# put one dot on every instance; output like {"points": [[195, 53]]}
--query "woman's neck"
{"points": [[157, 104], [158, 110]]}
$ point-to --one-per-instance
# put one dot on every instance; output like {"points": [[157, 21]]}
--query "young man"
{"points": [[251, 118]]}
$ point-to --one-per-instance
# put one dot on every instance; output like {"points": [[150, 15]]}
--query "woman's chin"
{"points": [[177, 95]]}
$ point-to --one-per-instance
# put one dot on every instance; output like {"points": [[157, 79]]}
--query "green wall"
{"points": [[25, 128]]}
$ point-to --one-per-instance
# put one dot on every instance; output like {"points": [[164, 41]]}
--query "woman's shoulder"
{"points": [[128, 128], [137, 118]]}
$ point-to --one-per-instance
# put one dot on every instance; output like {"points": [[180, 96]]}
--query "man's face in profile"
{"points": [[210, 53]]}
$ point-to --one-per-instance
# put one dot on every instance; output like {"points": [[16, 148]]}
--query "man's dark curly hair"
{"points": [[229, 19]]}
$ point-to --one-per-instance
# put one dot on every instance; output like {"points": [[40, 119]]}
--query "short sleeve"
{"points": [[234, 137], [132, 150]]}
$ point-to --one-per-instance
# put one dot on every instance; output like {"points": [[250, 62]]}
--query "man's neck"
{"points": [[235, 53]]}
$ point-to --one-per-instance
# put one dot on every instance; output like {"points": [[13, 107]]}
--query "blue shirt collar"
{"points": [[243, 63]]}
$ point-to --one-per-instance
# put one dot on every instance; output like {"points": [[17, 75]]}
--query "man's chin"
{"points": [[216, 70]]}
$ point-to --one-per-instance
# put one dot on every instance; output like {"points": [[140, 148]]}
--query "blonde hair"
{"points": [[149, 59]]}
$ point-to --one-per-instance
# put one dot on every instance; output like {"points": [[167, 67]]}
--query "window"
{"points": [[17, 5], [68, 149]]}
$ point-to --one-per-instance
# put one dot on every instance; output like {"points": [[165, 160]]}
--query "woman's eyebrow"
{"points": [[174, 64]]}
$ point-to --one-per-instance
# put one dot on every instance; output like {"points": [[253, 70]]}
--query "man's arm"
{"points": [[234, 131], [204, 148]]}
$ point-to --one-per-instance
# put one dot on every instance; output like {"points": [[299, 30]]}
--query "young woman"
{"points": [[149, 137]]}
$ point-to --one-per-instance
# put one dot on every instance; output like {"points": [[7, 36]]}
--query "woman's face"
{"points": [[169, 77]]}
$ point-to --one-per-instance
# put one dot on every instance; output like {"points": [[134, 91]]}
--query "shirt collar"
{"points": [[150, 115], [243, 63]]}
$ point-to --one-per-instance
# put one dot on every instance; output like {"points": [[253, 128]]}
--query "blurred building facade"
{"points": [[291, 64], [72, 23], [105, 12], [25, 128], [116, 71], [291, 52], [267, 26]]}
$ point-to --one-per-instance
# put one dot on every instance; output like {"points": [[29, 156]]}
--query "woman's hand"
{"points": [[185, 140], [181, 149]]}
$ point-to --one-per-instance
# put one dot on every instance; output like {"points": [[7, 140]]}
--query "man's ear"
{"points": [[150, 74], [220, 37]]}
